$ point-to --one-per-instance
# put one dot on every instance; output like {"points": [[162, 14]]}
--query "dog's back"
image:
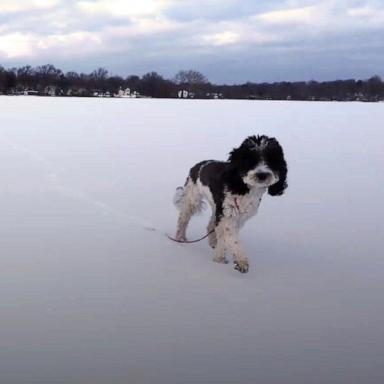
{"points": [[205, 179]]}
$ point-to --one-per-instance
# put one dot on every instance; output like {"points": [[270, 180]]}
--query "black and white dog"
{"points": [[233, 189]]}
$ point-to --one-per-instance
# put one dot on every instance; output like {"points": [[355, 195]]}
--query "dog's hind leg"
{"points": [[182, 224], [189, 203]]}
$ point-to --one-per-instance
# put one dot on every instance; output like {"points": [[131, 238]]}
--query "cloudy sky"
{"points": [[228, 40]]}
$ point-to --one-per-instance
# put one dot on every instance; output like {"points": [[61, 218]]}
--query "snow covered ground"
{"points": [[93, 292]]}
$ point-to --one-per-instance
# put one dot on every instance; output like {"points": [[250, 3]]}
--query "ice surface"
{"points": [[93, 292]]}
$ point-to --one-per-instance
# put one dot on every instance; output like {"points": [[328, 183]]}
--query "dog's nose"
{"points": [[262, 176]]}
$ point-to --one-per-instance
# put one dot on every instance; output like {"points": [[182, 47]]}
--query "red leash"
{"points": [[190, 241]]}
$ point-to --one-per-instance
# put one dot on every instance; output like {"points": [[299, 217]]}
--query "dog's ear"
{"points": [[238, 156], [276, 157]]}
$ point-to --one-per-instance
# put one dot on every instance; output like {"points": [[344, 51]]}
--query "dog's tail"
{"points": [[179, 197], [188, 198]]}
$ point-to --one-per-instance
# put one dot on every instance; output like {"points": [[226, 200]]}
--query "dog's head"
{"points": [[260, 162]]}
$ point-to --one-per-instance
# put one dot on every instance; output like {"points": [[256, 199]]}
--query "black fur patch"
{"points": [[213, 175], [194, 171], [274, 157], [219, 177]]}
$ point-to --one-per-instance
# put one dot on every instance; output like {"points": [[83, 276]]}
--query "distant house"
{"points": [[123, 93], [214, 95], [183, 94], [127, 93], [77, 92], [50, 90], [99, 93], [31, 92]]}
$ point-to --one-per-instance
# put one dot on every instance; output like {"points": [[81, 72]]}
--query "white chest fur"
{"points": [[243, 207]]}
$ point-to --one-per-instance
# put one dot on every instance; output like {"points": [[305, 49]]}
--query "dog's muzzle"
{"points": [[263, 176]]}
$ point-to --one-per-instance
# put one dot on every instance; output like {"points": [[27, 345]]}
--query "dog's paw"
{"points": [[180, 238], [241, 265], [220, 259]]}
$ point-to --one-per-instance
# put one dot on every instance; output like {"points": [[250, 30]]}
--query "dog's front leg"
{"points": [[211, 229], [219, 254], [228, 237]]}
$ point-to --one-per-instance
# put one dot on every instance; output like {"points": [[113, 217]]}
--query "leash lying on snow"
{"points": [[201, 238], [189, 241]]}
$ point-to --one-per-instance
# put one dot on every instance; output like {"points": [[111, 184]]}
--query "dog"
{"points": [[233, 189]]}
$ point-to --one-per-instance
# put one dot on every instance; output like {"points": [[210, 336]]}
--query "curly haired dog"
{"points": [[233, 189]]}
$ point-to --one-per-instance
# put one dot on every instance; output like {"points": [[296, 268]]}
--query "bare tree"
{"points": [[190, 77], [99, 74], [98, 79], [154, 85], [192, 81], [48, 74]]}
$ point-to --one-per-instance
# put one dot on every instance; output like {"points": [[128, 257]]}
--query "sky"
{"points": [[229, 41]]}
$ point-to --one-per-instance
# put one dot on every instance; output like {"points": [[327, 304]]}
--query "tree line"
{"points": [[49, 80]]}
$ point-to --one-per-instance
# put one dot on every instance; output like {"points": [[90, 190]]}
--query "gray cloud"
{"points": [[228, 40]]}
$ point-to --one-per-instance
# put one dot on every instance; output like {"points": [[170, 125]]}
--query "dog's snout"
{"points": [[262, 176]]}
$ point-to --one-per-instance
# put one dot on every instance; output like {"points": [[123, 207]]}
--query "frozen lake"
{"points": [[93, 292]]}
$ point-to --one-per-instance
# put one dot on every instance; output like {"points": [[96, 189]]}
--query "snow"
{"points": [[93, 292]]}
